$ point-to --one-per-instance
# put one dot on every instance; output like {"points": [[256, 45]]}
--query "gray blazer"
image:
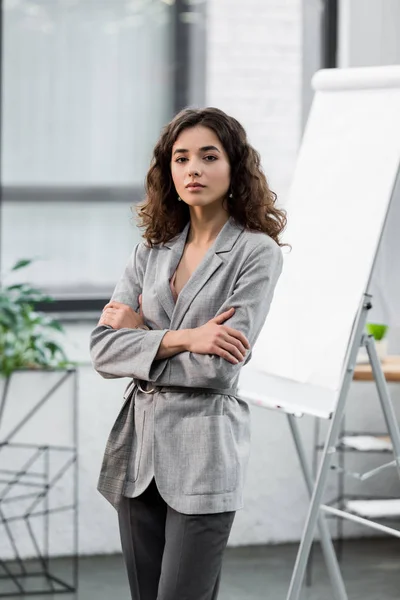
{"points": [[193, 438]]}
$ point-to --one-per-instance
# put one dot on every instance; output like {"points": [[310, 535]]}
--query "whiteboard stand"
{"points": [[276, 400], [316, 508], [304, 358], [328, 550]]}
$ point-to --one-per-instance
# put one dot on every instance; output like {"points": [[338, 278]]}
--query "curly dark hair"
{"points": [[252, 204]]}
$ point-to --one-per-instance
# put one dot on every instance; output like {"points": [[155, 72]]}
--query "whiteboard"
{"points": [[343, 182]]}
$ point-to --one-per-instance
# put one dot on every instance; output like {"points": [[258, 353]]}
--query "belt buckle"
{"points": [[145, 391]]}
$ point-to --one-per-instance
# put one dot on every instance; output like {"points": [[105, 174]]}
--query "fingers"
{"points": [[119, 315], [238, 335], [108, 312], [106, 320], [234, 347], [113, 304], [223, 316], [107, 316], [233, 341], [229, 347], [230, 353], [119, 305]]}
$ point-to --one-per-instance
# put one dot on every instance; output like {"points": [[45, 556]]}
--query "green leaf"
{"points": [[56, 325], [24, 262], [9, 316], [53, 347]]}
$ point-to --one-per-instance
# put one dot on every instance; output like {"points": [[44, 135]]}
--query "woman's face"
{"points": [[200, 167]]}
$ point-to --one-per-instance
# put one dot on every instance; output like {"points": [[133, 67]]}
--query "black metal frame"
{"points": [[181, 56], [78, 305], [30, 475], [330, 33]]}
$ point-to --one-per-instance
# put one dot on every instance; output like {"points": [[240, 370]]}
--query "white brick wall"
{"points": [[254, 73]]}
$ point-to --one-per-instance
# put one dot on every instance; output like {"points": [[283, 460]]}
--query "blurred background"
{"points": [[85, 88]]}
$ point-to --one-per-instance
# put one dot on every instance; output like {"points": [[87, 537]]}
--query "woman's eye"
{"points": [[210, 158]]}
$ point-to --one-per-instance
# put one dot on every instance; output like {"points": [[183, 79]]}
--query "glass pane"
{"points": [[87, 87]]}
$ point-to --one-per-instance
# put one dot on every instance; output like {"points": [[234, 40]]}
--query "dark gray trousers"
{"points": [[169, 555]]}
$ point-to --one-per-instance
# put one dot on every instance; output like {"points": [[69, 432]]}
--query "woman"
{"points": [[181, 323]]}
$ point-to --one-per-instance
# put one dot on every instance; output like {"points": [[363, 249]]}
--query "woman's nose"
{"points": [[194, 169]]}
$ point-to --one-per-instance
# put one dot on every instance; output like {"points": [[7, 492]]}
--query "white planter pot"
{"points": [[381, 349]]}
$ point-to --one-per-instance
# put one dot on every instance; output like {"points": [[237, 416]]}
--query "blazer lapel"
{"points": [[168, 259], [210, 263]]}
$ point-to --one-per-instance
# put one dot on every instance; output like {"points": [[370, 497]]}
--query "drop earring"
{"points": [[179, 199], [231, 195]]}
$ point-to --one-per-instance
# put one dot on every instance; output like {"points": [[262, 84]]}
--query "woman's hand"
{"points": [[215, 338], [119, 315]]}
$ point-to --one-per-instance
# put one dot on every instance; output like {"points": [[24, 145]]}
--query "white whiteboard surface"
{"points": [[270, 391], [342, 187]]}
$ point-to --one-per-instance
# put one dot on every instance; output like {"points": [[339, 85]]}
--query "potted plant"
{"points": [[378, 331], [32, 443], [27, 337]]}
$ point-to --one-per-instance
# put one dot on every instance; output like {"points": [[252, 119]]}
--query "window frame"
{"points": [[320, 20]]}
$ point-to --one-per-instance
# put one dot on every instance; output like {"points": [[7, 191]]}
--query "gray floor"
{"points": [[371, 569]]}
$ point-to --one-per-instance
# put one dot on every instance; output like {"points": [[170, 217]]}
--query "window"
{"points": [[86, 89]]}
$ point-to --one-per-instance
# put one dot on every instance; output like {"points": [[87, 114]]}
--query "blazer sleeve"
{"points": [[127, 352], [251, 299]]}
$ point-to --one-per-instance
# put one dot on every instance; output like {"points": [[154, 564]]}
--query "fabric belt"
{"points": [[180, 389]]}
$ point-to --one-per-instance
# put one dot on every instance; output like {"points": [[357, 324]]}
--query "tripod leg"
{"points": [[326, 542], [384, 396]]}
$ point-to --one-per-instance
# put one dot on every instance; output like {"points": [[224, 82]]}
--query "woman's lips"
{"points": [[193, 187]]}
